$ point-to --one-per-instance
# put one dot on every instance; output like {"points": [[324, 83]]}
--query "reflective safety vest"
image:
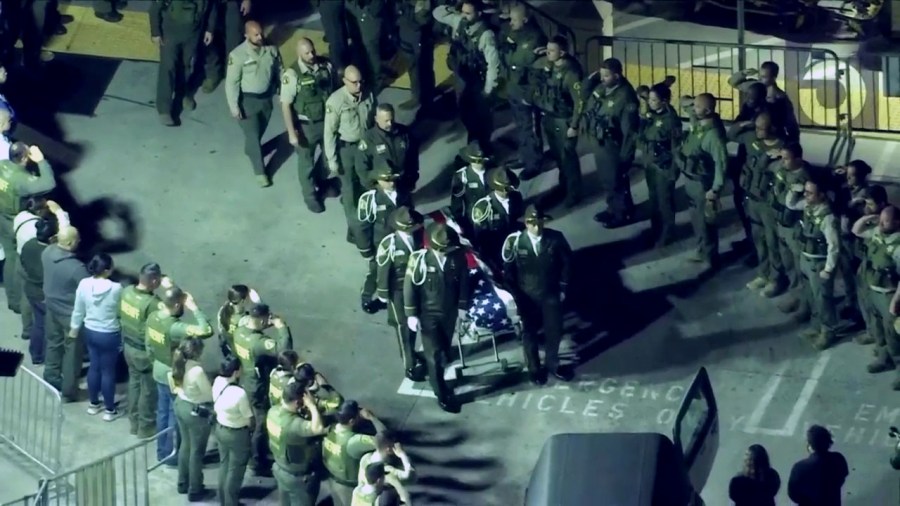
{"points": [[340, 465], [134, 309], [327, 399], [297, 455], [465, 57], [277, 381], [158, 340], [10, 199], [812, 238], [881, 271], [313, 89]]}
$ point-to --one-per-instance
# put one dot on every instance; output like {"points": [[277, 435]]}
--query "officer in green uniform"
{"points": [[850, 201], [659, 138], [333, 14], [227, 33], [518, 45], [288, 360], [703, 160], [390, 141], [295, 446], [556, 84], [258, 354], [497, 215], [416, 43], [436, 297], [344, 445], [238, 301], [373, 213], [163, 332], [469, 185], [370, 489], [18, 182], [875, 201], [178, 27], [137, 302], [251, 81], [108, 10], [610, 119], [327, 398], [365, 24], [305, 86], [882, 274], [820, 246], [763, 150], [392, 258]]}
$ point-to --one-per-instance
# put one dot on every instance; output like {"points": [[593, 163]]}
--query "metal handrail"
{"points": [[31, 419]]}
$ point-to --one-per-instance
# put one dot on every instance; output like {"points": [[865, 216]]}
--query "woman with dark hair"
{"points": [[237, 301], [757, 484], [234, 418], [96, 315], [193, 409]]}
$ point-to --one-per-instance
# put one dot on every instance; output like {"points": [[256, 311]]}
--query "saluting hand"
{"points": [[245, 7], [35, 154]]}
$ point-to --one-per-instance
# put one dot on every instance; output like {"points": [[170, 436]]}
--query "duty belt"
{"points": [[348, 143], [265, 94], [134, 343]]}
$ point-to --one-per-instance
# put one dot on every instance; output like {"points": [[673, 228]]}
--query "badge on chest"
{"points": [[380, 149]]}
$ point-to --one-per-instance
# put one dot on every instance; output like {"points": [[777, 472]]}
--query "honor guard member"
{"points": [[18, 182], [227, 36], [496, 216], [763, 151], [537, 268], [305, 86], [474, 60], [373, 224], [850, 203], [163, 332], [469, 186], [820, 246], [518, 45], [391, 141], [703, 160], [436, 298], [349, 112], [178, 27], [251, 81], [258, 354], [556, 82], [610, 119], [136, 304], [288, 360], [295, 446], [394, 252], [659, 138], [779, 103], [343, 447], [238, 301], [327, 398], [415, 28]]}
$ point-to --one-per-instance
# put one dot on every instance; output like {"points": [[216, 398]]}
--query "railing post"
{"points": [[741, 33]]}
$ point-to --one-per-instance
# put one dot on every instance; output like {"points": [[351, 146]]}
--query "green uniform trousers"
{"points": [[615, 181], [863, 302], [260, 460], [256, 111], [789, 248], [351, 188], [341, 495], [887, 341], [562, 149], [369, 285], [847, 265], [661, 188], [141, 390], [311, 174], [819, 293], [406, 338], [297, 489], [194, 432], [12, 285], [227, 35], [417, 46], [27, 315], [105, 6], [176, 63], [764, 232], [65, 356], [365, 31], [706, 231], [234, 453]]}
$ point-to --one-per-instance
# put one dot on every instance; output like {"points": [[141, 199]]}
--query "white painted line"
{"points": [[634, 25], [805, 395], [727, 53], [756, 416]]}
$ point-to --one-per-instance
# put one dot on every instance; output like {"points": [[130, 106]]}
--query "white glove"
{"points": [[413, 323]]}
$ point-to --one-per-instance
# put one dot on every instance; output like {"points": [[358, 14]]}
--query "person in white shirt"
{"points": [[193, 409], [234, 417]]}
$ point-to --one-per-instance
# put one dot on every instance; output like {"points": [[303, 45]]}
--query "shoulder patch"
{"points": [[576, 86], [329, 109], [269, 344]]}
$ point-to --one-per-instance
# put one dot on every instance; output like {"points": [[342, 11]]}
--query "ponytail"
{"points": [[189, 349]]}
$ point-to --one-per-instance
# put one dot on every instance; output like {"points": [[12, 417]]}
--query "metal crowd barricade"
{"points": [[31, 417]]}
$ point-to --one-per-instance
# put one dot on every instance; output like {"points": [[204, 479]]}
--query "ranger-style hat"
{"points": [[502, 179], [406, 219], [442, 238], [535, 215], [382, 171], [473, 153]]}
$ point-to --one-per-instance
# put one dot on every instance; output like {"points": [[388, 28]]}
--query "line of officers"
{"points": [[301, 430]]}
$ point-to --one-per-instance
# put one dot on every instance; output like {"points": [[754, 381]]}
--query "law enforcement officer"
{"points": [[294, 443], [394, 252], [343, 447], [327, 398], [288, 360], [108, 10], [517, 45], [610, 119], [365, 23], [305, 86], [258, 354], [703, 159], [850, 202], [537, 268], [474, 60], [556, 83], [178, 27], [881, 233], [436, 284], [497, 215], [18, 182], [137, 302], [779, 104], [659, 139], [238, 301], [373, 213], [820, 246], [334, 24], [468, 186], [398, 469], [875, 201], [753, 105], [390, 141], [763, 149], [349, 112], [163, 332], [416, 43], [227, 35], [251, 81]]}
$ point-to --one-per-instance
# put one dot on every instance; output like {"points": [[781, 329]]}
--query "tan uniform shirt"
{"points": [[251, 71], [346, 119]]}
